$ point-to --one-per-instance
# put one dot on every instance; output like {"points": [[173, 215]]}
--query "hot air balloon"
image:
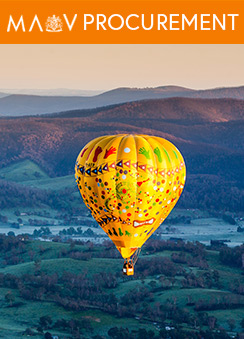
{"points": [[130, 183]]}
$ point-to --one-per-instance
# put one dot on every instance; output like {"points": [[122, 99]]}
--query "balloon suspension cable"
{"points": [[133, 259]]}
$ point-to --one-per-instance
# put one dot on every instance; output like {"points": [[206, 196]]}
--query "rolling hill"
{"points": [[18, 105], [22, 172], [208, 132], [199, 127]]}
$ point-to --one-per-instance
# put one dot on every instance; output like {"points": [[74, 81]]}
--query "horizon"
{"points": [[105, 67], [2, 90]]}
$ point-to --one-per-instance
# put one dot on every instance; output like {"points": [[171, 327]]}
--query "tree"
{"points": [[229, 219], [89, 233], [9, 297], [29, 332], [118, 333], [231, 323], [143, 334], [31, 254], [242, 323], [45, 322], [37, 264], [72, 245], [3, 219], [152, 284], [212, 322]]}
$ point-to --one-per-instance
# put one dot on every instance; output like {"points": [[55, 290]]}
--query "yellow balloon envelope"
{"points": [[130, 183]]}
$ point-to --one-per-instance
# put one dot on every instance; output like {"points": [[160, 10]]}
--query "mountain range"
{"points": [[20, 104], [199, 127], [208, 132]]}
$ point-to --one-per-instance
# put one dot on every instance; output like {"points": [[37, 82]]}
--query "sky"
{"points": [[103, 67]]}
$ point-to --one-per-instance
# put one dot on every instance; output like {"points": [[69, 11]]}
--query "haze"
{"points": [[103, 67]]}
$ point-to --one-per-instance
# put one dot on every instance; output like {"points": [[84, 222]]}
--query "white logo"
{"points": [[54, 24]]}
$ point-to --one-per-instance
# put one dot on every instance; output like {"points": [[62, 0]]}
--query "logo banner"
{"points": [[120, 22]]}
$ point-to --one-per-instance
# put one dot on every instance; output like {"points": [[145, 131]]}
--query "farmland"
{"points": [[198, 290]]}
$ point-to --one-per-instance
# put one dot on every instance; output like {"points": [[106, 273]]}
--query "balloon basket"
{"points": [[129, 263], [128, 268]]}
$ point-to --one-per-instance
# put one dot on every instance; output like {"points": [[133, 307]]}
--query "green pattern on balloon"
{"points": [[167, 155], [143, 151], [175, 154], [158, 154]]}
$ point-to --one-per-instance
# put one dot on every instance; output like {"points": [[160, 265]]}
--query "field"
{"points": [[14, 320]]}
